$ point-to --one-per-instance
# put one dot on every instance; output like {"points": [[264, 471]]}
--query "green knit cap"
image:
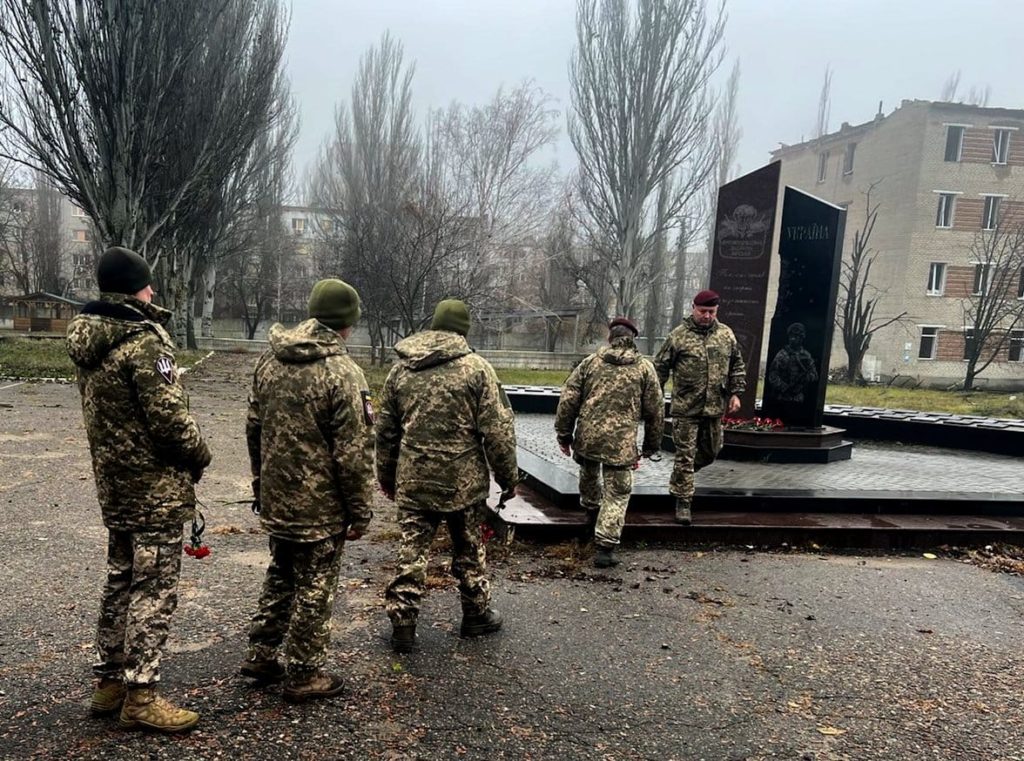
{"points": [[335, 303], [453, 315]]}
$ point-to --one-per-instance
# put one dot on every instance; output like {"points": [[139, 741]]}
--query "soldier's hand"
{"points": [[507, 494], [635, 465], [734, 404], [353, 534]]}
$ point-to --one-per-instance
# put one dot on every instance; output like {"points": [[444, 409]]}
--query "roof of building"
{"points": [[44, 296], [847, 131]]}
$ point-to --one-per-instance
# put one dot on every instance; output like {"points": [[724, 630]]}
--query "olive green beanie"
{"points": [[453, 315], [335, 303]]}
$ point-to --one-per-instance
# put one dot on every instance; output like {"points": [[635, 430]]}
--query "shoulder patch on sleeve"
{"points": [[368, 416], [165, 366]]}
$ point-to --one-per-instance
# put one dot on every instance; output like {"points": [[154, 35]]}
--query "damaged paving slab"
{"points": [[684, 651]]}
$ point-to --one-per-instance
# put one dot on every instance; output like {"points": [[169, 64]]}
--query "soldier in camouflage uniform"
{"points": [[443, 419], [309, 432], [147, 453], [603, 399], [702, 357]]}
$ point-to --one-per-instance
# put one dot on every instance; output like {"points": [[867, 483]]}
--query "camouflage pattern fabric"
{"points": [[469, 561], [443, 419], [705, 367], [309, 432], [606, 488], [146, 447], [790, 373], [604, 398], [698, 440], [297, 601], [139, 596]]}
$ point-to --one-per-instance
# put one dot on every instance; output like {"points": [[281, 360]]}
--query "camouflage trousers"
{"points": [[698, 440], [297, 601], [139, 597], [608, 495], [469, 561]]}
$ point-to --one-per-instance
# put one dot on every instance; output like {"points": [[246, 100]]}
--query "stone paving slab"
{"points": [[877, 467]]}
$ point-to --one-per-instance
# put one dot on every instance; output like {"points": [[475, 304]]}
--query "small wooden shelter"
{"points": [[43, 312]]}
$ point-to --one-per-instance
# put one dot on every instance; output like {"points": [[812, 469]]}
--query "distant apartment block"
{"points": [[941, 173]]}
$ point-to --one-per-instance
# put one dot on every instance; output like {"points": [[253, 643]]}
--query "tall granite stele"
{"points": [[800, 340]]}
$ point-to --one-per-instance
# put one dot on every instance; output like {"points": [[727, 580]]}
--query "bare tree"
{"points": [[976, 96], [859, 298], [136, 114], [31, 246], [640, 110], [949, 87], [824, 105], [995, 307]]}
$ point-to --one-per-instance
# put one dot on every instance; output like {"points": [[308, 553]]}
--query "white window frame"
{"points": [[935, 341], [1020, 346], [990, 211], [986, 278], [823, 159], [943, 196], [848, 158], [960, 146], [299, 225], [997, 133], [941, 286]]}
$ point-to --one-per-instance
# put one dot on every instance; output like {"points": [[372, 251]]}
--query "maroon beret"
{"points": [[626, 322], [706, 298]]}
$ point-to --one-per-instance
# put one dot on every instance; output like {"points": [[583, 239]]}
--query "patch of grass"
{"points": [[30, 358], [929, 400]]}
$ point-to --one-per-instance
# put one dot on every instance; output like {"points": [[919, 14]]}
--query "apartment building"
{"points": [[942, 174]]}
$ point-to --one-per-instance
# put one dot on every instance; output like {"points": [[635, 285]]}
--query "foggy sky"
{"points": [[879, 50]]}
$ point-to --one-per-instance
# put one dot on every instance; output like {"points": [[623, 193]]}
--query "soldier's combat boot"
{"points": [[477, 624], [683, 512], [605, 558], [262, 665], [311, 685], [403, 638], [144, 709], [108, 696]]}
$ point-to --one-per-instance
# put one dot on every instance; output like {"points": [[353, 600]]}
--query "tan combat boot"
{"points": [[145, 709], [311, 685], [683, 512], [108, 696]]}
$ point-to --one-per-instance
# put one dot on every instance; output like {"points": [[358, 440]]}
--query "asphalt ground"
{"points": [[681, 652]]}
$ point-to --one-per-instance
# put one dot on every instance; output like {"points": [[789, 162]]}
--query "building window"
{"points": [[929, 340], [990, 215], [981, 278], [968, 342], [1000, 146], [944, 215], [298, 225], [1016, 350], [954, 142], [77, 211], [851, 148], [82, 236], [823, 166], [1020, 284], [936, 279]]}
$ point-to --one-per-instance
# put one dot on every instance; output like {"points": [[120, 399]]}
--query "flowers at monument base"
{"points": [[753, 424]]}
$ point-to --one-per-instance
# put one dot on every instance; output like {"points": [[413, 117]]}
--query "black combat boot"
{"points": [[403, 638], [476, 624], [605, 558], [683, 512], [262, 665]]}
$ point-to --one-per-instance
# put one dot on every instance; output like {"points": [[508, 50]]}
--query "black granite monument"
{"points": [[740, 260], [800, 342]]}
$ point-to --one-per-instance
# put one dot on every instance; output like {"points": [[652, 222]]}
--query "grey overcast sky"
{"points": [[879, 50]]}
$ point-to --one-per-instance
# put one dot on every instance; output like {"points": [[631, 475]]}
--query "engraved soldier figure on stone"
{"points": [[793, 368], [444, 423], [601, 403], [310, 437], [147, 454], [702, 357]]}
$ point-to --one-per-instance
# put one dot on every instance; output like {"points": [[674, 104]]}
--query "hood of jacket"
{"points": [[103, 324], [431, 348], [621, 351], [308, 341]]}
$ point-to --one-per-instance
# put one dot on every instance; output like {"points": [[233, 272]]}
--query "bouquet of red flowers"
{"points": [[753, 424], [195, 548]]}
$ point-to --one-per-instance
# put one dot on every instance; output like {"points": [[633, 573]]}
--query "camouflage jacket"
{"points": [[705, 366], [443, 418], [309, 432], [604, 398], [145, 444]]}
